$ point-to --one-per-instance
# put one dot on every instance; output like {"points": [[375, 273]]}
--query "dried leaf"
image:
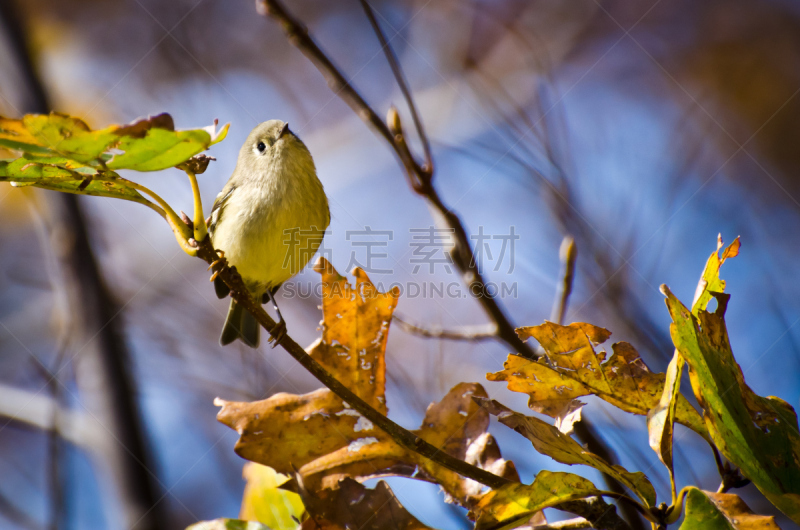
{"points": [[265, 502], [551, 442], [352, 505], [355, 328], [578, 370], [722, 511], [516, 503], [757, 434]]}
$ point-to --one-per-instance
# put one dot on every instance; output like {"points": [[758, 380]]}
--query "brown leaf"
{"points": [[316, 435], [288, 432], [355, 328], [351, 505], [579, 370], [139, 128], [458, 425]]}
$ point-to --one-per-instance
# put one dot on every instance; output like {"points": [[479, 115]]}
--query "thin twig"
{"points": [[569, 524], [568, 255], [421, 182], [391, 58], [470, 333]]}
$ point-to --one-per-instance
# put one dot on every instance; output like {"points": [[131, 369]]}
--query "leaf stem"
{"points": [[200, 228], [182, 232]]}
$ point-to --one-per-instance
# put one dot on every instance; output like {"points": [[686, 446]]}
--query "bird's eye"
{"points": [[261, 146]]}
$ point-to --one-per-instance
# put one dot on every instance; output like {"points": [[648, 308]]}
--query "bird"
{"points": [[268, 221]]}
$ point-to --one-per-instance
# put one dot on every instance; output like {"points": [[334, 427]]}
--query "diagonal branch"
{"points": [[419, 177], [605, 520], [391, 58]]}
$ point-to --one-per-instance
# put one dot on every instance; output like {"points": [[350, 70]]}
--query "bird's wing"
{"points": [[219, 204]]}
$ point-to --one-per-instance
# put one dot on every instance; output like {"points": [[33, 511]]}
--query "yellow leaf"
{"points": [[265, 502], [576, 369]]}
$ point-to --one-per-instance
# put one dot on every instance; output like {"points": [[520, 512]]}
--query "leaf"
{"points": [[710, 282], [265, 502], [578, 370], [661, 419], [157, 145], [512, 505], [551, 442], [148, 144], [355, 328], [68, 136], [757, 434], [325, 440], [722, 511], [66, 176], [227, 524], [352, 505]]}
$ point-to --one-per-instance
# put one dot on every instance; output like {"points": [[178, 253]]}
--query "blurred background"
{"points": [[642, 129]]}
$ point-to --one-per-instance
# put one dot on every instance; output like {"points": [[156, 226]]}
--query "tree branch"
{"points": [[471, 333], [568, 254], [420, 177], [569, 524]]}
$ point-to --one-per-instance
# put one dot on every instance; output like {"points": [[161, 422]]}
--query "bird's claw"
{"points": [[218, 265], [278, 334]]}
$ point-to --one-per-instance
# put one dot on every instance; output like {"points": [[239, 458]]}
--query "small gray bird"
{"points": [[269, 220]]}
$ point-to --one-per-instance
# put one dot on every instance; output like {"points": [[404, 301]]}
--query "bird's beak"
{"points": [[284, 130]]}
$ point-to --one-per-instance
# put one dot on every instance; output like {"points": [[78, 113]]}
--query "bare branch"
{"points": [[568, 255], [472, 333], [569, 524], [36, 410], [391, 58]]}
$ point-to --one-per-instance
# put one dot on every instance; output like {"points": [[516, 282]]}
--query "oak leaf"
{"points": [[573, 368]]}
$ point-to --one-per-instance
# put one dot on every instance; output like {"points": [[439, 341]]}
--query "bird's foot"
{"points": [[278, 334], [218, 265]]}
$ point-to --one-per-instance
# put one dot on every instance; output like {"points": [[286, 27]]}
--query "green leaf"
{"points": [[69, 136], [661, 418], [148, 144], [62, 153], [514, 504], [710, 282], [551, 442], [67, 176], [227, 524], [721, 511], [154, 144], [757, 434]]}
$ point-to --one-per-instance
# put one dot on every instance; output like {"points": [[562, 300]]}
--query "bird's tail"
{"points": [[240, 324]]}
